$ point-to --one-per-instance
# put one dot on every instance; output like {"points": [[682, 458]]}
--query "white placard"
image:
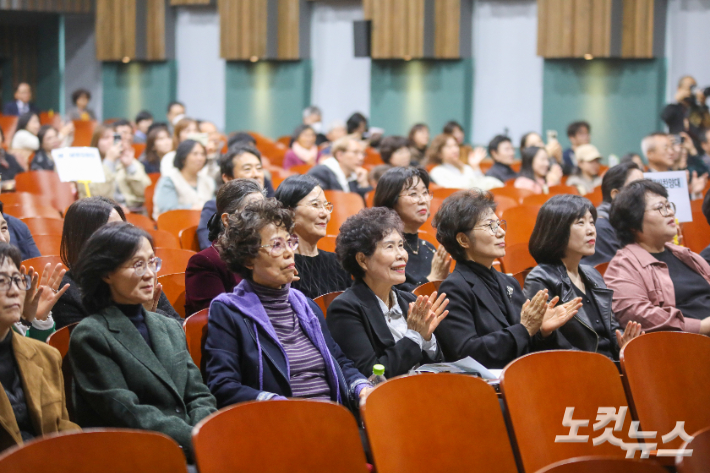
{"points": [[676, 183], [79, 164]]}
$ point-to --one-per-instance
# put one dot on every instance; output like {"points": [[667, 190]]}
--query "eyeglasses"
{"points": [[279, 245], [494, 226], [666, 210], [23, 282], [140, 267], [415, 197], [327, 206]]}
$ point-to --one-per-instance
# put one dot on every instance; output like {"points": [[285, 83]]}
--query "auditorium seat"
{"points": [[700, 459], [504, 203], [140, 221], [517, 258], [696, 234], [537, 199], [521, 275], [48, 245], [188, 239], [60, 341], [174, 221], [427, 288], [25, 211], [345, 204], [428, 234], [163, 239], [595, 196], [195, 327], [8, 124], [174, 260], [291, 436], [83, 131], [370, 199], [46, 183], [104, 450], [434, 423], [324, 301], [40, 262], [601, 267], [24, 198], [174, 290], [373, 157], [596, 464], [327, 243], [44, 226], [563, 189], [512, 192], [444, 192], [149, 193], [520, 222], [301, 168]]}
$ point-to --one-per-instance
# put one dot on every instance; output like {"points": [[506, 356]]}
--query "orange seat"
{"points": [[345, 204], [25, 211], [60, 341], [504, 203], [148, 194], [46, 183], [517, 258], [83, 131], [521, 275], [188, 239], [163, 239], [595, 196], [154, 178], [8, 123], [24, 198], [373, 157], [174, 221], [516, 166], [429, 235], [174, 260], [301, 168], [48, 244], [174, 290], [47, 118], [279, 436], [444, 192], [427, 289], [601, 267], [459, 409], [370, 199], [563, 189], [324, 301], [665, 385], [272, 150], [552, 381], [695, 205], [512, 192], [696, 234], [594, 464], [699, 461], [486, 165], [537, 199], [520, 221], [284, 140], [44, 226], [140, 221], [138, 149], [195, 327], [104, 450], [327, 243], [39, 262]]}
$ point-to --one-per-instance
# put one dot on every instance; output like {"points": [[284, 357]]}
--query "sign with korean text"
{"points": [[79, 164], [676, 183]]}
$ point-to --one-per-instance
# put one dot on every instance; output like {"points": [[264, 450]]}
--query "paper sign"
{"points": [[79, 164], [676, 183]]}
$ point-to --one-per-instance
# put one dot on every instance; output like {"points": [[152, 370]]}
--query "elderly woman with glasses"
{"points": [[489, 318], [319, 271], [266, 340], [656, 283], [131, 367], [406, 191]]}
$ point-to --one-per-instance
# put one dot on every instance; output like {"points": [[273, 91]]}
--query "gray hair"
{"points": [[312, 110], [648, 144]]}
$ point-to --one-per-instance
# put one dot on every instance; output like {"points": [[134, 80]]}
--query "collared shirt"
{"points": [[22, 107], [334, 166], [394, 318]]}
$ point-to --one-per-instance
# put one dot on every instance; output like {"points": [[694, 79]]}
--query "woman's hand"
{"points": [[426, 313], [151, 306], [44, 292], [633, 330], [364, 393], [127, 157], [440, 265], [476, 156], [554, 175], [533, 312], [556, 317]]}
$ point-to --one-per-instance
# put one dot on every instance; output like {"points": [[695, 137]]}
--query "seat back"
{"points": [[148, 195], [596, 196], [83, 131], [700, 459], [46, 183], [40, 262], [325, 300], [520, 221], [504, 203], [301, 168], [564, 189], [517, 258], [512, 192], [48, 244], [538, 388], [29, 210], [174, 221], [140, 221], [696, 234], [163, 239], [601, 267], [8, 123], [521, 275], [104, 450], [195, 327], [44, 226], [537, 199], [327, 243], [24, 198], [174, 261], [60, 341], [427, 288], [174, 290], [444, 192], [188, 239], [459, 409], [595, 464], [294, 436], [345, 204], [664, 384]]}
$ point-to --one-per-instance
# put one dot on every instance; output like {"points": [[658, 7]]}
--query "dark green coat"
{"points": [[121, 382]]}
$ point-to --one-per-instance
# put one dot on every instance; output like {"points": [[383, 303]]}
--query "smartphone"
{"points": [[551, 135], [116, 138]]}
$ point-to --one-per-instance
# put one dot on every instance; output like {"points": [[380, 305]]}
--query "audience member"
{"points": [[9, 166], [374, 322], [318, 270], [657, 148], [579, 133], [395, 151], [455, 129], [357, 125], [264, 318], [660, 285], [690, 113], [131, 368], [607, 243], [489, 318], [25, 137], [82, 219], [19, 235], [303, 148], [22, 103], [633, 158], [80, 98], [207, 276], [373, 177], [175, 113], [564, 233], [537, 173], [124, 128], [449, 171], [586, 177], [418, 142], [184, 129], [184, 187], [406, 191], [344, 171], [501, 150], [48, 140], [706, 212], [553, 148], [30, 371], [157, 145], [337, 130], [313, 117], [144, 120]]}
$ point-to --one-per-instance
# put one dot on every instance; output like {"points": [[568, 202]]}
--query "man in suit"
{"points": [[344, 171], [22, 103], [15, 232]]}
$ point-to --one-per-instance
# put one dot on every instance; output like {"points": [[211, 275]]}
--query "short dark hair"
{"points": [[574, 127], [238, 137], [239, 243], [360, 234], [82, 219], [106, 250], [528, 156], [12, 252], [155, 125], [390, 145], [78, 93], [629, 207], [24, 119], [459, 213], [294, 188], [43, 131], [629, 158], [615, 178], [394, 181], [226, 161], [230, 198], [450, 126], [173, 103], [121, 122], [354, 122], [183, 150], [550, 237], [496, 142], [143, 115], [524, 138]]}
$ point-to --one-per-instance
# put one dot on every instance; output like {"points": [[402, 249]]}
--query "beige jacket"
{"points": [[130, 184]]}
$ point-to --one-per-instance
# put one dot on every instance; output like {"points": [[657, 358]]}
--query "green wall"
{"points": [[621, 99], [130, 88], [267, 97], [49, 80], [407, 92]]}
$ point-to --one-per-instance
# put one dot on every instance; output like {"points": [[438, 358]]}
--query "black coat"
{"points": [[577, 333], [356, 321], [475, 326], [329, 181]]}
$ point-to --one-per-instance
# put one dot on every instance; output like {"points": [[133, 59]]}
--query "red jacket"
{"points": [[643, 288], [206, 277]]}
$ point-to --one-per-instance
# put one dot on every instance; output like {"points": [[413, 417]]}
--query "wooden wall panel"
{"points": [[115, 29], [190, 2], [397, 29], [367, 9], [288, 29], [637, 29], [155, 30], [18, 43], [54, 6], [242, 29], [447, 27]]}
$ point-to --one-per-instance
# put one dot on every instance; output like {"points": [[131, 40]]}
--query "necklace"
{"points": [[416, 252]]}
